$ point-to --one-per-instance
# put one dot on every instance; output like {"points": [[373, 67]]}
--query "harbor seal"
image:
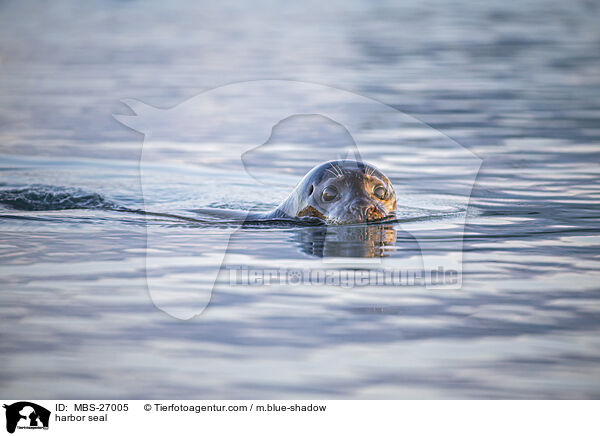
{"points": [[335, 192], [341, 192]]}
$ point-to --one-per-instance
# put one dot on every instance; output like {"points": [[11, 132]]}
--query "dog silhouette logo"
{"points": [[26, 415], [223, 126]]}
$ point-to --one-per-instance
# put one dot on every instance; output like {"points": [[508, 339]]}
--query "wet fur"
{"points": [[303, 203]]}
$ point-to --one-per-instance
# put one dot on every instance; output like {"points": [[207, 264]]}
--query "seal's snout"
{"points": [[368, 214], [373, 213], [364, 210]]}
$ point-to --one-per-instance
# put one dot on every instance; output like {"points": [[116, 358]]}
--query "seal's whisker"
{"points": [[338, 171], [335, 174]]}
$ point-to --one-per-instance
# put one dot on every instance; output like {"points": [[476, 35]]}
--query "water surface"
{"points": [[515, 84]]}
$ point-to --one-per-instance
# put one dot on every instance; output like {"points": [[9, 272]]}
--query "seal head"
{"points": [[342, 192]]}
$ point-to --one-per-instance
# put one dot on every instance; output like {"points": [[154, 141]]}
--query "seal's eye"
{"points": [[380, 192], [329, 193]]}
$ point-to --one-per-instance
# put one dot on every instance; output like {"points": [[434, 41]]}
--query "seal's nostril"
{"points": [[366, 213], [373, 213]]}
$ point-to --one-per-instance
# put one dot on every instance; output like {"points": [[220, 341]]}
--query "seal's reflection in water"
{"points": [[359, 240]]}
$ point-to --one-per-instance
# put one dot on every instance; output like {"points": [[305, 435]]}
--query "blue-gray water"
{"points": [[516, 84]]}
